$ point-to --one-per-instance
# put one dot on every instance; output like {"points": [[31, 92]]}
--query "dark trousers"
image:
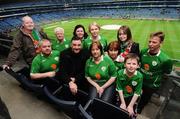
{"points": [[107, 96], [145, 97]]}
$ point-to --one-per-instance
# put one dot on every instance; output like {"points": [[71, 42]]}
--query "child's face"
{"points": [[131, 65], [122, 36], [113, 53]]}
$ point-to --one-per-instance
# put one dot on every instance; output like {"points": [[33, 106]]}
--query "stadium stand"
{"points": [[45, 11]]}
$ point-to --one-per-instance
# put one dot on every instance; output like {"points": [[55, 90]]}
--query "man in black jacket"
{"points": [[72, 66]]}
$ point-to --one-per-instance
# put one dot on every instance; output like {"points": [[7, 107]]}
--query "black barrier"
{"points": [[99, 109], [64, 99], [25, 82]]}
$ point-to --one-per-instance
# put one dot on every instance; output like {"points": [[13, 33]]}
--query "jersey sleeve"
{"points": [[86, 68], [138, 88], [112, 68], [35, 67], [167, 66], [118, 81]]}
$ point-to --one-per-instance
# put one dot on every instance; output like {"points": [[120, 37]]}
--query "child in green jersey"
{"points": [[129, 83], [100, 72], [127, 45], [154, 63]]}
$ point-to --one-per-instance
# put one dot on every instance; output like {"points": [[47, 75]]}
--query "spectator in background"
{"points": [[72, 66], [94, 29], [60, 43], [25, 43], [154, 63], [100, 72], [127, 45], [80, 32]]}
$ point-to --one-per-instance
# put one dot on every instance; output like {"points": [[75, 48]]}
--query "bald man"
{"points": [[25, 43]]}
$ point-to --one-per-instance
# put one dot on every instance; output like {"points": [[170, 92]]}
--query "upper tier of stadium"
{"points": [[51, 10]]}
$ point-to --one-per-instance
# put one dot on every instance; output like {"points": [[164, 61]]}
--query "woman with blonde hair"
{"points": [[94, 30]]}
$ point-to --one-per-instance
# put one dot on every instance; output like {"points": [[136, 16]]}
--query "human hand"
{"points": [[97, 88], [5, 66], [51, 74], [73, 87], [130, 110], [123, 106], [101, 90]]}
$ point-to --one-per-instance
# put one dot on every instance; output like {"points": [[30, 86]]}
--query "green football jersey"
{"points": [[101, 72], [153, 67], [87, 42], [60, 46], [129, 86], [42, 64]]}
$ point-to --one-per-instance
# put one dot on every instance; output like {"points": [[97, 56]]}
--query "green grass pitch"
{"points": [[140, 29]]}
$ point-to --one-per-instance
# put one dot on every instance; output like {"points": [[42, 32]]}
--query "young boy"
{"points": [[154, 63], [129, 83]]}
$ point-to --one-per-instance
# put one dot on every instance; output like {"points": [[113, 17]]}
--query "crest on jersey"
{"points": [[66, 46], [103, 68], [134, 83], [154, 63]]}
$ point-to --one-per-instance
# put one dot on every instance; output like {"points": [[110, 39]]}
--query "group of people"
{"points": [[91, 64]]}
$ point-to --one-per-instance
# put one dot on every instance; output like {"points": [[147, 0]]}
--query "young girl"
{"points": [[127, 45]]}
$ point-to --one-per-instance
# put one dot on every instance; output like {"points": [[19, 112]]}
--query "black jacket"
{"points": [[135, 48], [72, 65]]}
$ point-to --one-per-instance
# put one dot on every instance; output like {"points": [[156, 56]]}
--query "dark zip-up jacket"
{"points": [[22, 44]]}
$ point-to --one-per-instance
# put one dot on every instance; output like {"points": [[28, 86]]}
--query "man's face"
{"points": [[154, 44], [60, 35], [46, 47], [28, 23], [76, 46]]}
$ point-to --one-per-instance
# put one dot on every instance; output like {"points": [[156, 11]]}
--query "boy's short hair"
{"points": [[131, 56], [159, 34]]}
